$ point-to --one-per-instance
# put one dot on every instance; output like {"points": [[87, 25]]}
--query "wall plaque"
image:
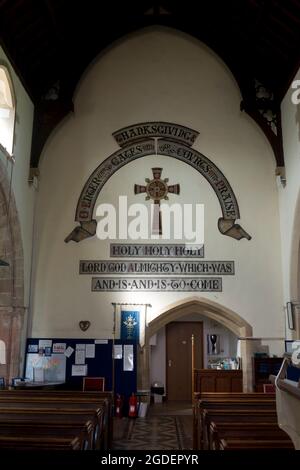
{"points": [[157, 284]]}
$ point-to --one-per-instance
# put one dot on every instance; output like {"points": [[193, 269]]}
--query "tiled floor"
{"points": [[167, 426], [170, 408]]}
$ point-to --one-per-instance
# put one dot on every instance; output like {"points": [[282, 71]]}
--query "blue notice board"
{"points": [[99, 366]]}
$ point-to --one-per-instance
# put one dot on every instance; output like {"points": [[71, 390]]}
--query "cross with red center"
{"points": [[157, 189]]}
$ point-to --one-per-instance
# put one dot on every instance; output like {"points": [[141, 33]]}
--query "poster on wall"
{"points": [[128, 364], [59, 348], [90, 351], [54, 367], [118, 352]]}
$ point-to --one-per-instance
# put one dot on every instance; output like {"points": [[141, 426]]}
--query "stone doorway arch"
{"points": [[210, 309], [11, 279]]}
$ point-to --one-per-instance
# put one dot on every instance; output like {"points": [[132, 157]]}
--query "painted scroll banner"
{"points": [[137, 147]]}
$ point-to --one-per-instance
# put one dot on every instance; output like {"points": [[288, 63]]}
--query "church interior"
{"points": [[150, 225]]}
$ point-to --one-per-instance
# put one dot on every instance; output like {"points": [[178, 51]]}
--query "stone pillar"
{"points": [[11, 279], [143, 370], [11, 323], [16, 336], [246, 354]]}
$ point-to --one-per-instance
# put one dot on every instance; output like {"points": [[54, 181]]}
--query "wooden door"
{"points": [[179, 358]]}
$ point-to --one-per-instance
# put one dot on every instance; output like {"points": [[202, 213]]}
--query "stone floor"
{"points": [[167, 426]]}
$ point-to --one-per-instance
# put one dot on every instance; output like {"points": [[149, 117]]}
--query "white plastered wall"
{"points": [[152, 75], [289, 200]]}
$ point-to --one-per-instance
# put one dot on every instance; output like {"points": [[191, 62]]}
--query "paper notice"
{"points": [[59, 348], [79, 370], [69, 351], [89, 350], [118, 353], [80, 356], [128, 364], [45, 343]]}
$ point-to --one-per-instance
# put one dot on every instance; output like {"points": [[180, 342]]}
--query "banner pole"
{"points": [[193, 367], [113, 356]]}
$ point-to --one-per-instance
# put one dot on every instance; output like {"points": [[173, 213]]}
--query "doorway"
{"points": [[179, 357]]}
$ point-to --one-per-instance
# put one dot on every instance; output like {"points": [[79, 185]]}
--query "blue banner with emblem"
{"points": [[130, 325]]}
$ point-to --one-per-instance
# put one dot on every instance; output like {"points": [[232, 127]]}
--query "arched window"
{"points": [[7, 110], [2, 352]]}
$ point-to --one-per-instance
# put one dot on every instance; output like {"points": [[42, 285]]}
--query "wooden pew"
{"points": [[79, 395], [69, 416], [65, 400], [233, 395], [254, 444], [19, 443], [232, 415], [247, 431], [230, 421], [244, 404], [34, 428], [213, 397]]}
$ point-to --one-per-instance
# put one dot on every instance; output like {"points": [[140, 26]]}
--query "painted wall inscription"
{"points": [[182, 268], [157, 284], [155, 250]]}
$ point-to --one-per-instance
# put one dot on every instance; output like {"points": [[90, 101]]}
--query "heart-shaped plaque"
{"points": [[84, 325]]}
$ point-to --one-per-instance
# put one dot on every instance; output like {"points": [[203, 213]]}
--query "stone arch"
{"points": [[11, 279], [8, 104], [210, 309]]}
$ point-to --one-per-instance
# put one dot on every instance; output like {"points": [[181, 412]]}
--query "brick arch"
{"points": [[11, 279], [210, 309]]}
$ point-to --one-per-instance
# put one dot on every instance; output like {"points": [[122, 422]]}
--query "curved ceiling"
{"points": [[51, 42]]}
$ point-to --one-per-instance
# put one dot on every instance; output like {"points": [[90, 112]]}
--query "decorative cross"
{"points": [[157, 189]]}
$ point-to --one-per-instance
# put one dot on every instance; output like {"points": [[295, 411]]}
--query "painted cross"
{"points": [[157, 189]]}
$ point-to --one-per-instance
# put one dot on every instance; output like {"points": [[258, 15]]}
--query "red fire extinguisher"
{"points": [[132, 406], [119, 406]]}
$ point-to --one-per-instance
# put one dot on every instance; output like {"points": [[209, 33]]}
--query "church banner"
{"points": [[130, 325]]}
